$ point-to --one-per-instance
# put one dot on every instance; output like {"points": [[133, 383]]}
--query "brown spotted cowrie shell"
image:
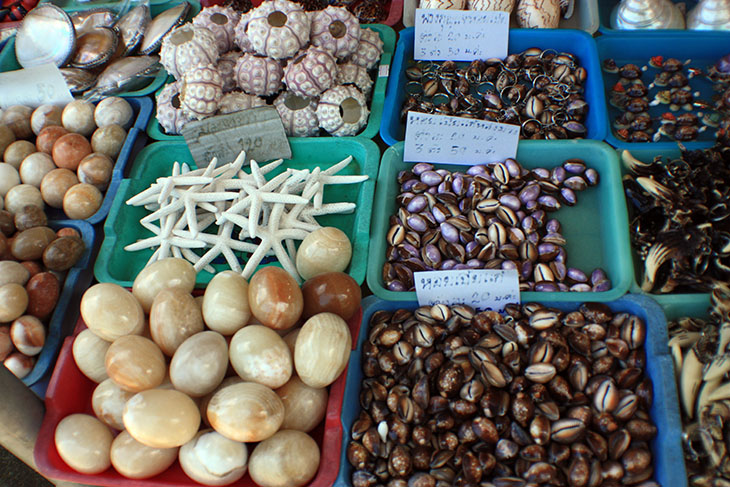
{"points": [[567, 430], [540, 429], [606, 397], [544, 318], [540, 372], [626, 407], [633, 332]]}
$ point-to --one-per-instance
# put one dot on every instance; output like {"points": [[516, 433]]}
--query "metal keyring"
{"points": [[440, 99], [414, 88]]}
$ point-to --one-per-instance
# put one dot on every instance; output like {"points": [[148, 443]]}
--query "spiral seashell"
{"points": [[442, 4], [336, 30], [353, 74], [237, 101], [201, 91], [298, 114], [278, 28], [227, 69], [240, 37], [258, 75], [169, 112], [368, 50], [342, 111], [221, 21], [311, 73], [496, 5], [187, 47], [538, 14]]}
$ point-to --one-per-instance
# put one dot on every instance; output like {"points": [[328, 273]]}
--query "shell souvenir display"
{"points": [[368, 51], [131, 28], [258, 75], [169, 110]]}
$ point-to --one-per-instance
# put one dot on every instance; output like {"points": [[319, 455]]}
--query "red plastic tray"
{"points": [[70, 391]]}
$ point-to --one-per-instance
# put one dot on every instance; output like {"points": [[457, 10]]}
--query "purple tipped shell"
{"points": [[576, 183], [447, 265], [421, 167], [408, 185], [602, 286], [449, 232], [526, 269], [558, 175], [577, 275], [562, 287], [431, 255], [417, 204], [432, 178], [533, 237], [407, 250], [553, 226], [457, 185], [438, 214], [417, 223], [461, 267], [528, 224], [562, 255], [513, 167], [541, 173], [432, 190], [549, 202], [474, 264], [510, 201], [559, 270], [597, 276], [441, 188], [574, 166], [529, 192], [531, 205], [396, 286], [591, 176], [546, 287], [568, 196], [476, 170], [509, 265], [580, 287]]}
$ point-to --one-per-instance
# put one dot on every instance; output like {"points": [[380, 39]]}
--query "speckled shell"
{"points": [[325, 35], [227, 70], [171, 118], [258, 75], [329, 113], [237, 101], [200, 50], [223, 32], [278, 42], [201, 91], [240, 37], [538, 14], [496, 5], [442, 4], [353, 74], [368, 50], [311, 73], [298, 123]]}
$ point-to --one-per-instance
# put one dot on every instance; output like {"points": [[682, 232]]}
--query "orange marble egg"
{"points": [[96, 169], [69, 150], [275, 298], [48, 136]]}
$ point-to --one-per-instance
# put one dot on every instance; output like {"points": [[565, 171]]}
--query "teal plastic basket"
{"points": [[387, 35], [596, 229], [122, 227]]}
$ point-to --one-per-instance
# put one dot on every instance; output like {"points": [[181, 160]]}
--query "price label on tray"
{"points": [[34, 87], [460, 35], [481, 289], [455, 140]]}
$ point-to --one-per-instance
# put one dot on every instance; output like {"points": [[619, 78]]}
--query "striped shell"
{"points": [[169, 114], [240, 37], [342, 111], [227, 70], [311, 73], [538, 14], [221, 21], [443, 4], [278, 28], [352, 74], [495, 5], [187, 47], [336, 30], [369, 50], [258, 75], [298, 114], [201, 91], [237, 101]]}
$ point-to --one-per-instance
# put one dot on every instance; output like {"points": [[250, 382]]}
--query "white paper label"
{"points": [[456, 140], [460, 35], [384, 71], [34, 87], [481, 289]]}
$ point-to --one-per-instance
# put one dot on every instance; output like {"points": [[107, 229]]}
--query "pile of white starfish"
{"points": [[278, 211]]}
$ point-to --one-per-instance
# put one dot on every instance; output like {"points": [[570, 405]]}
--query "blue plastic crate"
{"points": [[577, 42], [667, 452], [637, 47], [64, 316]]}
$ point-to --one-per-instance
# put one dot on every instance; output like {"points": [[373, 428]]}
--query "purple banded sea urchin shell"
{"points": [[278, 28], [298, 114], [336, 30], [186, 47], [201, 91], [258, 75], [342, 111], [311, 72], [221, 21]]}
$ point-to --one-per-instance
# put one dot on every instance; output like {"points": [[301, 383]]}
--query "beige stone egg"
{"points": [[55, 184], [12, 271], [173, 318], [96, 169], [225, 303], [161, 418], [17, 117], [13, 302], [288, 459], [35, 167], [81, 201], [17, 151], [7, 137], [212, 459], [291, 339], [246, 412], [89, 352], [110, 311], [135, 363], [134, 460], [108, 402], [163, 274], [203, 406], [108, 140], [28, 334], [304, 406], [21, 196], [84, 443], [259, 355], [326, 249], [322, 349], [78, 117], [9, 178], [113, 110], [43, 116], [199, 364], [18, 364]]}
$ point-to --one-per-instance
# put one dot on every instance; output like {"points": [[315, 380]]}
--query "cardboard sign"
{"points": [[460, 35], [455, 140], [259, 131], [482, 289], [34, 87]]}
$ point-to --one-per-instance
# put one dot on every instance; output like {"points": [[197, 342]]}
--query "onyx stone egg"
{"points": [[81, 201], [78, 117], [30, 216], [55, 184], [63, 253], [35, 167], [108, 140], [43, 290], [21, 196], [333, 292], [44, 116], [96, 169]]}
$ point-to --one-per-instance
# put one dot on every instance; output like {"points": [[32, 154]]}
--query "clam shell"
{"points": [[126, 74], [161, 26], [94, 47], [85, 20], [78, 80], [131, 28], [46, 35]]}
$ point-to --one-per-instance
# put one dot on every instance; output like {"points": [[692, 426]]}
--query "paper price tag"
{"points": [[481, 289], [34, 87], [259, 131], [460, 35], [455, 140]]}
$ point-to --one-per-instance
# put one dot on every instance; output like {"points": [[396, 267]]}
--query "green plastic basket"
{"points": [[122, 226], [387, 35], [596, 229]]}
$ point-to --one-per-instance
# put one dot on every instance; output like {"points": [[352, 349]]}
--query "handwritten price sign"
{"points": [[455, 140], [479, 288], [460, 35], [34, 87]]}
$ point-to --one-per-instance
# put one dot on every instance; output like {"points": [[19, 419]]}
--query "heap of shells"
{"points": [[315, 68], [529, 14]]}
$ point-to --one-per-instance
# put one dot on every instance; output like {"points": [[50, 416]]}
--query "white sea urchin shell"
{"points": [[342, 111], [187, 47], [336, 30], [311, 73], [298, 114], [278, 28]]}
